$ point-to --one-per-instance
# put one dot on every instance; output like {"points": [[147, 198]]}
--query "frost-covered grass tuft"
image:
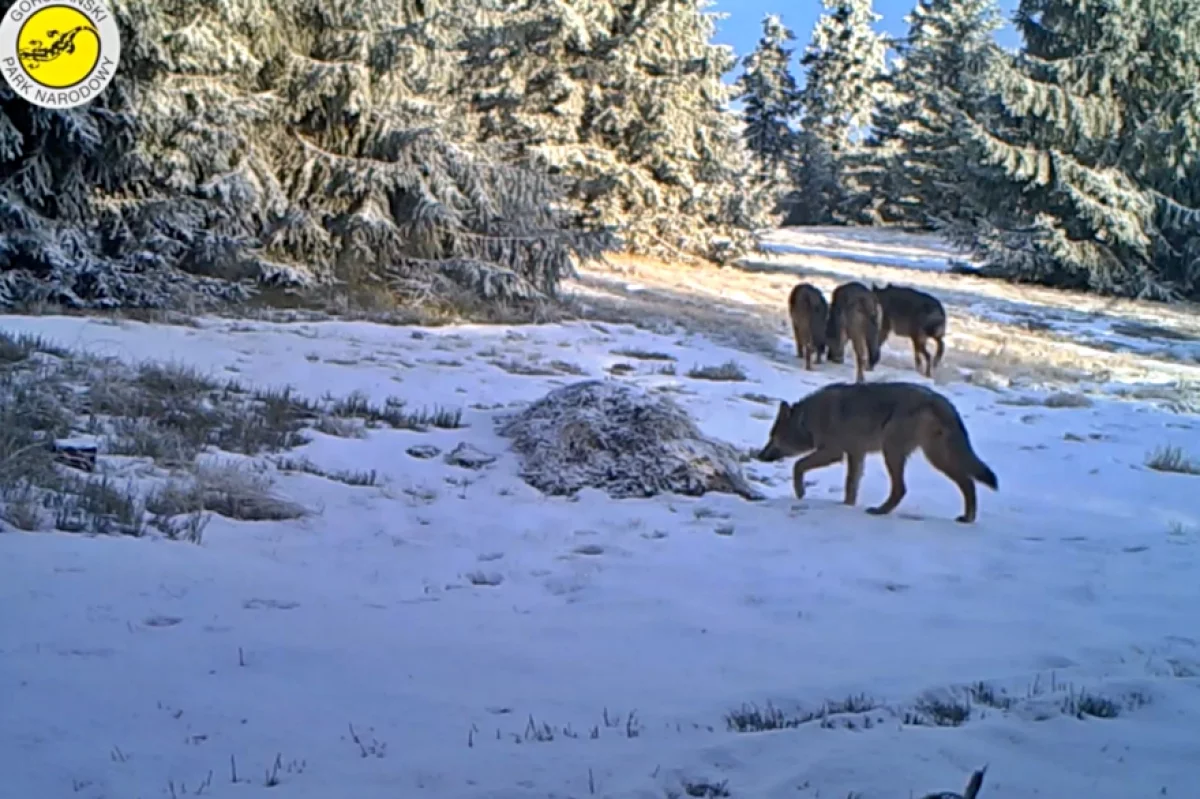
{"points": [[1067, 399], [730, 371], [753, 718], [986, 695], [14, 349], [532, 368], [702, 789], [226, 489], [171, 413], [643, 355], [348, 476], [392, 413], [1172, 459], [939, 712]]}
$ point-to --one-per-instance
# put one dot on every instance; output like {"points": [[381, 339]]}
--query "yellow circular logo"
{"points": [[59, 53], [58, 47]]}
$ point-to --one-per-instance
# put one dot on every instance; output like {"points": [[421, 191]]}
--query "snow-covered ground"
{"points": [[451, 632], [872, 246]]}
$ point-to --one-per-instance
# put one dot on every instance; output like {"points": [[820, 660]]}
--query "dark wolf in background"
{"points": [[917, 316], [854, 315], [809, 314], [852, 420]]}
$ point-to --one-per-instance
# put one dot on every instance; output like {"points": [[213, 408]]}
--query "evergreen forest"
{"points": [[450, 152]]}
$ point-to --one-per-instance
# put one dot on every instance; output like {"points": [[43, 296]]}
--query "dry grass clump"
{"points": [[95, 445]]}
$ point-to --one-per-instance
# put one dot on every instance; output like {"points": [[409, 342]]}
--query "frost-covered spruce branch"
{"points": [[1081, 151], [259, 146], [626, 102]]}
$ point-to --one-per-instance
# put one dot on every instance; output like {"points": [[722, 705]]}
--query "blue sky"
{"points": [[743, 27]]}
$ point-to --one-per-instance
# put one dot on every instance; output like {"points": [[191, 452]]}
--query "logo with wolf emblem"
{"points": [[59, 53]]}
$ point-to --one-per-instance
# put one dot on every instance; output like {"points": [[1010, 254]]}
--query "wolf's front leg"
{"points": [[798, 478], [816, 460]]}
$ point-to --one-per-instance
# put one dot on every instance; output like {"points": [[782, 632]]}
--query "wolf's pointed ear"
{"points": [[784, 409]]}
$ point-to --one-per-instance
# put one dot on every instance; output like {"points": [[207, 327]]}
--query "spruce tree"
{"points": [[626, 101], [1084, 170], [770, 102], [844, 61], [922, 164]]}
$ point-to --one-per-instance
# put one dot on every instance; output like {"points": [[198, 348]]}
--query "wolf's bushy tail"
{"points": [[818, 322], [833, 323], [961, 440], [935, 325], [983, 473], [832, 319], [935, 328], [941, 350]]}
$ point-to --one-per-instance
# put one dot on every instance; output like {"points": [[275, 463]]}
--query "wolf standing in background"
{"points": [[917, 316], [850, 420], [854, 314], [809, 313]]}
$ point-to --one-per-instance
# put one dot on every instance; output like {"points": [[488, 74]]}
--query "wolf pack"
{"points": [[848, 421]]}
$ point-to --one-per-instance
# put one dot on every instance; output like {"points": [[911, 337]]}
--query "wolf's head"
{"points": [[789, 435]]}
